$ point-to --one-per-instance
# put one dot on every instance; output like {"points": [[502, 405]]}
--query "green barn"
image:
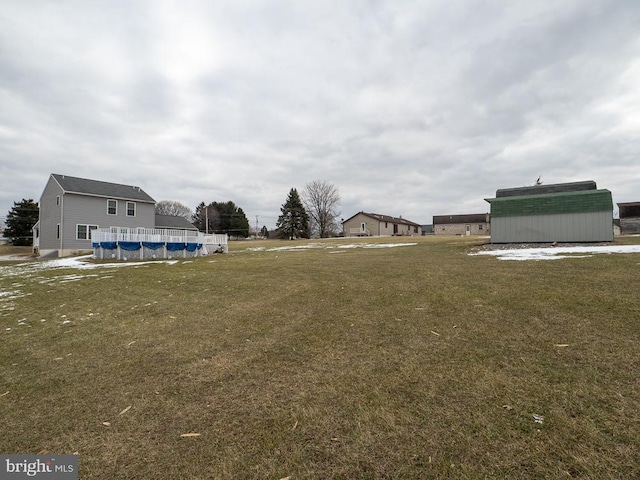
{"points": [[565, 212]]}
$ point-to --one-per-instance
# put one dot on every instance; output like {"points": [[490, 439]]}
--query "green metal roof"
{"points": [[552, 203]]}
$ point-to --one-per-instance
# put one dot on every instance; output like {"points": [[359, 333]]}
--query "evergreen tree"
{"points": [[221, 217], [238, 221], [200, 217], [294, 221], [264, 231], [20, 220]]}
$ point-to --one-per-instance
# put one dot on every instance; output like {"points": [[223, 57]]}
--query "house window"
{"points": [[112, 207], [57, 200], [58, 231], [131, 209], [385, 225], [83, 232], [480, 227]]}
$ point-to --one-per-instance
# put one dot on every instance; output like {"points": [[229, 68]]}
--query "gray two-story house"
{"points": [[71, 207]]}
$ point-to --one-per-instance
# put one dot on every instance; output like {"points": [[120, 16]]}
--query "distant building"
{"points": [[629, 218], [566, 212], [427, 229], [174, 222], [469, 224], [364, 224]]}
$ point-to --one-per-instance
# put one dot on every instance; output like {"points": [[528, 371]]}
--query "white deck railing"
{"points": [[143, 243], [215, 239], [124, 234]]}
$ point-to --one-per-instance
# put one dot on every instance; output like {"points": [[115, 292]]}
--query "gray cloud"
{"points": [[409, 108]]}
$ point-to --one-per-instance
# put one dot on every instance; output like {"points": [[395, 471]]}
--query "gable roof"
{"points": [[174, 222], [465, 218], [629, 209], [385, 218], [83, 186]]}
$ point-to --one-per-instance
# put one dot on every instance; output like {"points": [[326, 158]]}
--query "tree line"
{"points": [[312, 214]]}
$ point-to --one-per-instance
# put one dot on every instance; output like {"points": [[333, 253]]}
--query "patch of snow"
{"points": [[388, 245], [311, 246], [13, 258], [294, 248], [79, 262], [30, 269], [557, 253]]}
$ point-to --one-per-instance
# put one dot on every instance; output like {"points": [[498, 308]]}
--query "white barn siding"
{"points": [[568, 227]]}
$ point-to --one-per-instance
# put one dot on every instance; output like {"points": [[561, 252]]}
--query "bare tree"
{"points": [[170, 207], [321, 201]]}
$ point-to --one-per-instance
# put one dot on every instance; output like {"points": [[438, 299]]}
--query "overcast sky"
{"points": [[412, 108]]}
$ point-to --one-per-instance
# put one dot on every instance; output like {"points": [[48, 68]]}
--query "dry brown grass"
{"points": [[11, 250], [406, 362]]}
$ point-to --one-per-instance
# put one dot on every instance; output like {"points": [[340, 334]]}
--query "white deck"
{"points": [[119, 243]]}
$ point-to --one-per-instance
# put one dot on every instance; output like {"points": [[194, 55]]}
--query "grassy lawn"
{"points": [[11, 250], [417, 361]]}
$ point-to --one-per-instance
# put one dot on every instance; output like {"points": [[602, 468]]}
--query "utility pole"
{"points": [[256, 227]]}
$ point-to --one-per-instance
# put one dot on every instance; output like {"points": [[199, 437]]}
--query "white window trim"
{"points": [[134, 209], [58, 231], [57, 200], [116, 202], [89, 228]]}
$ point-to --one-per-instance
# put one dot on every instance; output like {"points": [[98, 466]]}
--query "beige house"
{"points": [[364, 224], [471, 224]]}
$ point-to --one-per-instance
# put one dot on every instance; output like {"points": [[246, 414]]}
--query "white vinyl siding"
{"points": [[59, 222]]}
